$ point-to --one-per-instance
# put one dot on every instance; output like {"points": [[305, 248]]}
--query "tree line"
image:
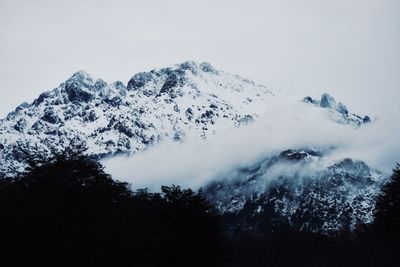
{"points": [[66, 211]]}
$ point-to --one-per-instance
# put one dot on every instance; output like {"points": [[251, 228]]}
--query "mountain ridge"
{"points": [[185, 99]]}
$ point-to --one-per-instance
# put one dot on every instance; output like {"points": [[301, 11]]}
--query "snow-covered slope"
{"points": [[185, 99]]}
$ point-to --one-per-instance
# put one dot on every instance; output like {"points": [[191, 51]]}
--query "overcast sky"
{"points": [[346, 47]]}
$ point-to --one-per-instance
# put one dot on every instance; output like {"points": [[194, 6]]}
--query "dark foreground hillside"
{"points": [[67, 211]]}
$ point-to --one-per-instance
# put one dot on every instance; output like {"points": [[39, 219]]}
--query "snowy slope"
{"points": [[186, 99]]}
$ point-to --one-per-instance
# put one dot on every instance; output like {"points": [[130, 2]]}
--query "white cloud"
{"points": [[289, 124]]}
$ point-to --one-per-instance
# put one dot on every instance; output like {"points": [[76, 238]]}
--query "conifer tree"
{"points": [[387, 216]]}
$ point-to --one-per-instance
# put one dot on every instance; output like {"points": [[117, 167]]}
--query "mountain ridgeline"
{"points": [[189, 98], [197, 100]]}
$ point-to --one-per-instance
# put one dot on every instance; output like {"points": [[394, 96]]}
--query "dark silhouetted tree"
{"points": [[66, 211], [387, 216]]}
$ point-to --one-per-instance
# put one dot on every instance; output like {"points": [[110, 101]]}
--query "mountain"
{"points": [[290, 189], [192, 100], [169, 103]]}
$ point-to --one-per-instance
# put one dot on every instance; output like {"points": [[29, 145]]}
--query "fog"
{"points": [[289, 124]]}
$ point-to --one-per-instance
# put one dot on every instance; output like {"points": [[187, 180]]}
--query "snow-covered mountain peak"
{"points": [[187, 74], [81, 76], [172, 103], [169, 103], [337, 110]]}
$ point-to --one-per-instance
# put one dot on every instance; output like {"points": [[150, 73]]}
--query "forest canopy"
{"points": [[66, 211]]}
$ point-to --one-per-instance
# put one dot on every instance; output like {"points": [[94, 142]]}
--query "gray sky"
{"points": [[345, 47]]}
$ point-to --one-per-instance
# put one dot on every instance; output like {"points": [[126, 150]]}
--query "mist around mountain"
{"points": [[188, 101]]}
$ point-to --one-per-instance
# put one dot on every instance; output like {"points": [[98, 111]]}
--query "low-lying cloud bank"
{"points": [[195, 162]]}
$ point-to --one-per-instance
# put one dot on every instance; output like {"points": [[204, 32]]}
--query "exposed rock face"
{"points": [[339, 112], [139, 80]]}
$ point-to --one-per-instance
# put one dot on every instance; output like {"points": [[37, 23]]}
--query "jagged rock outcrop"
{"points": [[338, 111]]}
